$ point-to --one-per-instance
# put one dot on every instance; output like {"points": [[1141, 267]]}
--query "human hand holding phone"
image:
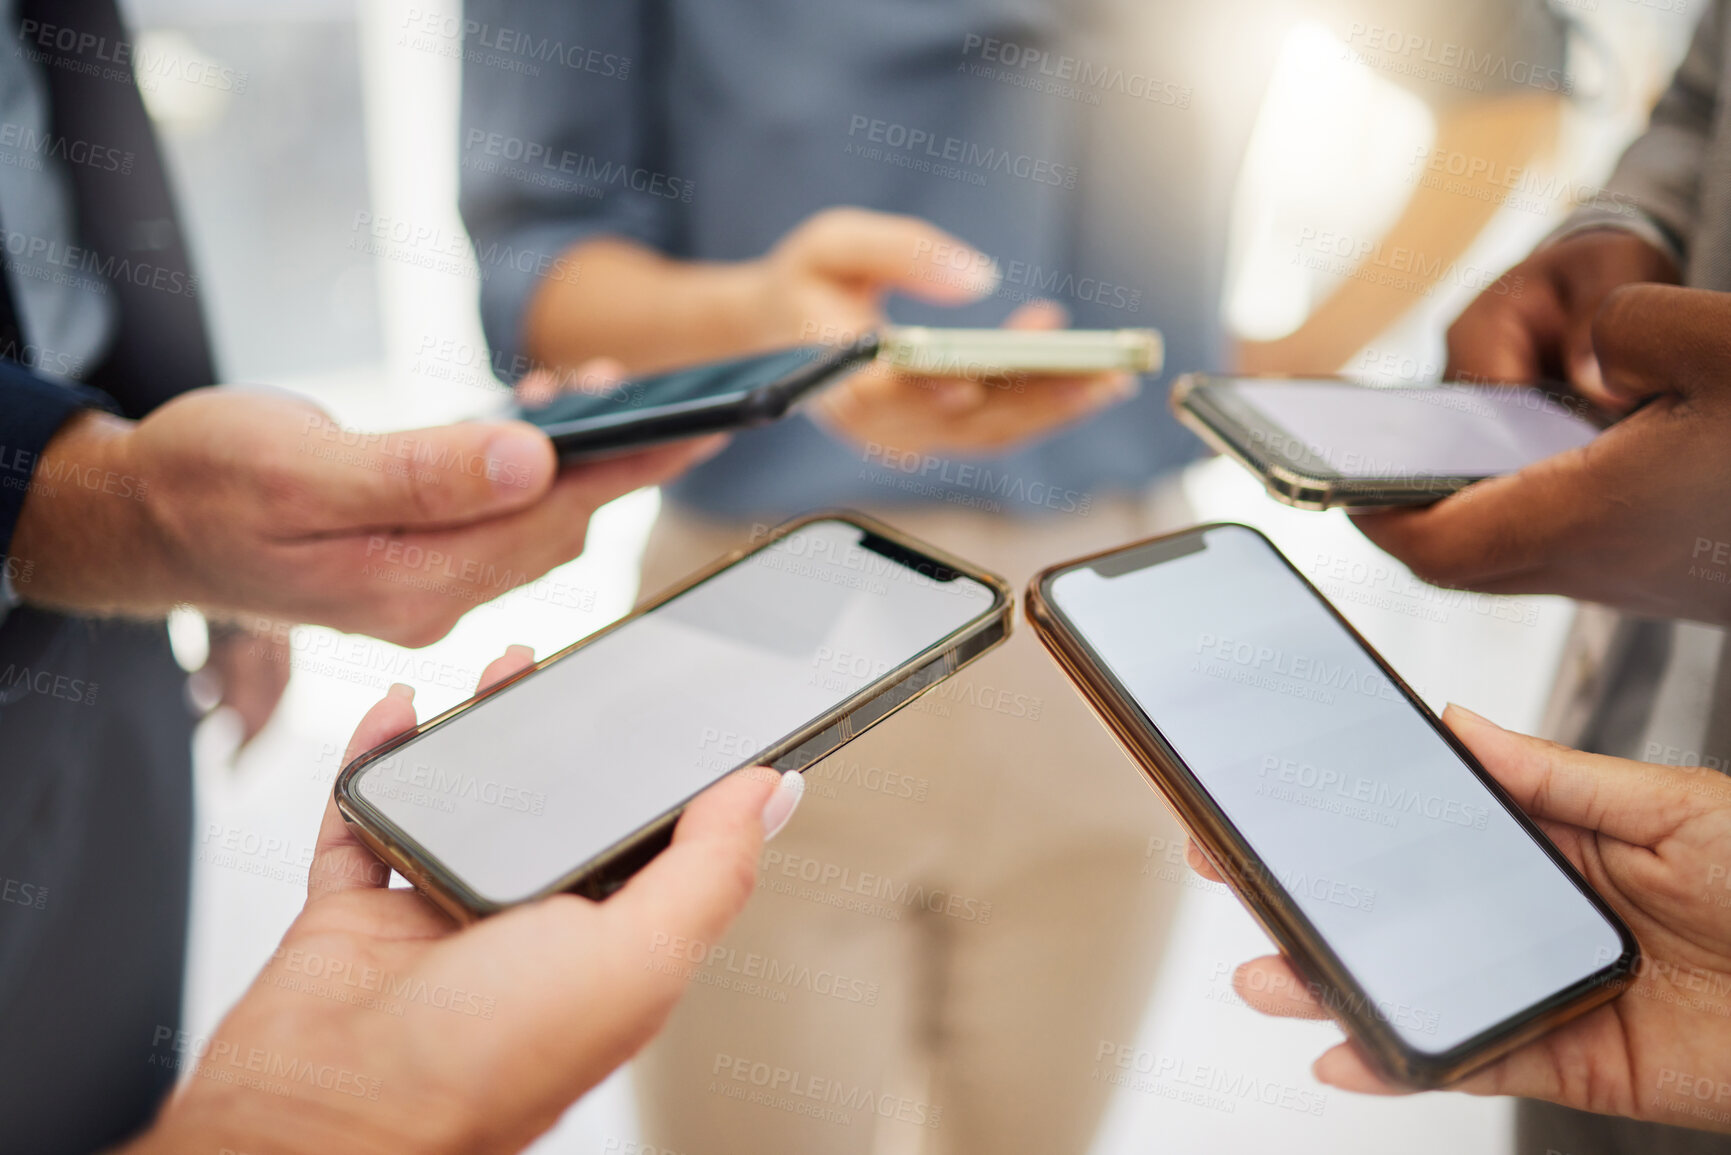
{"points": [[522, 1013], [1536, 322], [1638, 519], [1655, 841], [257, 503], [829, 277]]}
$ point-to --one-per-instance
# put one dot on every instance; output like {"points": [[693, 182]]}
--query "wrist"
{"points": [[85, 532]]}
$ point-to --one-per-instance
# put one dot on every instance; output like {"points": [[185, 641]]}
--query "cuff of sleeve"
{"points": [[1639, 223], [32, 410], [513, 269]]}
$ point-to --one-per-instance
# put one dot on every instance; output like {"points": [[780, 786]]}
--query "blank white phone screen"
{"points": [[1435, 431], [538, 779], [1449, 915]]}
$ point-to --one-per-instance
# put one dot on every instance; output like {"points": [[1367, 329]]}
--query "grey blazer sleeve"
{"points": [[1657, 187], [558, 144]]}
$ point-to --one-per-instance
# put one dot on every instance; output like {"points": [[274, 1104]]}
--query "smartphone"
{"points": [[717, 397], [1320, 443], [978, 353], [1429, 915], [571, 775]]}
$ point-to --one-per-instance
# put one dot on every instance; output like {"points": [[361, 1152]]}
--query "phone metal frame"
{"points": [[609, 870], [1307, 482], [1263, 895], [934, 351], [585, 438]]}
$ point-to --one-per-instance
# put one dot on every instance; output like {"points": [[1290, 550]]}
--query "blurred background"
{"points": [[320, 196]]}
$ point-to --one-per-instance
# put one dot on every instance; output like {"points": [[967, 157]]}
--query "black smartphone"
{"points": [[716, 397], [1434, 920], [571, 775], [1319, 443]]}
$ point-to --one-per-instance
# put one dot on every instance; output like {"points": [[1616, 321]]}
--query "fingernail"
{"points": [[1588, 378], [516, 456], [401, 690], [958, 394], [520, 652], [981, 277], [1118, 387], [782, 803], [1472, 715]]}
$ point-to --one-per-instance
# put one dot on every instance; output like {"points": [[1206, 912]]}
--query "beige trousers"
{"points": [[967, 909]]}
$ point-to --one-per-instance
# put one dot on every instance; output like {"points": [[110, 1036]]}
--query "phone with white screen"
{"points": [[1430, 916], [1320, 443], [571, 775]]}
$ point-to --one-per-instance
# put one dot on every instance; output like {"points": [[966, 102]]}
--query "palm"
{"points": [[1655, 842], [466, 1039], [1674, 1020]]}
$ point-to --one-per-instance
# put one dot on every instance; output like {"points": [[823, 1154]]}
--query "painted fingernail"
{"points": [[401, 690], [782, 803], [981, 276], [958, 394], [1117, 387]]}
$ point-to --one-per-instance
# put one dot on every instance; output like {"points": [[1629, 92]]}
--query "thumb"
{"points": [[903, 253], [446, 475], [1656, 339]]}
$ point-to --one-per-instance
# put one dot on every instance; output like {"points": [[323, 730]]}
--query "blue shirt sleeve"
{"points": [[32, 410], [556, 146]]}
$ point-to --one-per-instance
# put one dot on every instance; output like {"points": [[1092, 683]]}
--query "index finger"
{"points": [[1497, 535], [341, 861]]}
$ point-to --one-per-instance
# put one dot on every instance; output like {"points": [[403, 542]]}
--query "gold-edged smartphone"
{"points": [[1428, 915], [571, 775], [978, 353], [1318, 443]]}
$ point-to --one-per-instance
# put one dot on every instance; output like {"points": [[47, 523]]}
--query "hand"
{"points": [[1655, 841], [827, 280], [503, 1023], [246, 671], [1536, 322], [1640, 518], [257, 503]]}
